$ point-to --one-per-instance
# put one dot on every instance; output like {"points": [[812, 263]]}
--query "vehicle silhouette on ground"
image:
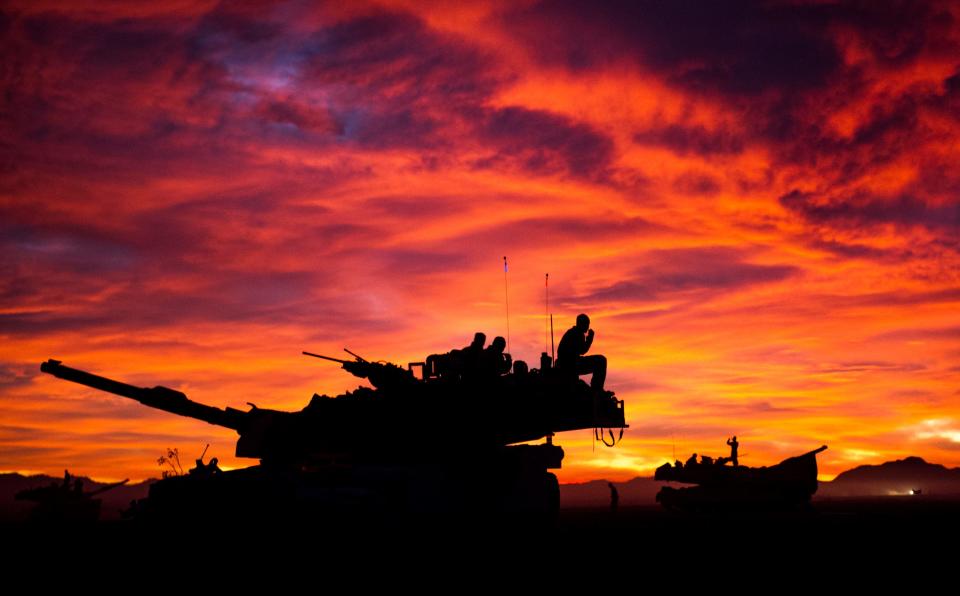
{"points": [[720, 487], [442, 442], [67, 502]]}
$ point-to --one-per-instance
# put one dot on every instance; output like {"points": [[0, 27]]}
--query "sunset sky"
{"points": [[756, 202]]}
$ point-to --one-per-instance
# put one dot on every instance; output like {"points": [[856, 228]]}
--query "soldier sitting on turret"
{"points": [[465, 361], [470, 356], [456, 363], [493, 362], [570, 354]]}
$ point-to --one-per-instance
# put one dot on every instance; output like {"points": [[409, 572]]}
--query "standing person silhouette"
{"points": [[734, 447], [570, 354]]}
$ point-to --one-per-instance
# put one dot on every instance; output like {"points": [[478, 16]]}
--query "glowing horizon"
{"points": [[756, 203]]}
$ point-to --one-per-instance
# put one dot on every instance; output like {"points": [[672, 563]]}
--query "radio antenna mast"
{"points": [[506, 301], [546, 309], [553, 351]]}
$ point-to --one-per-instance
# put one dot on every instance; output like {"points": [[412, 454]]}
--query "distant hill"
{"points": [[892, 478], [112, 501]]}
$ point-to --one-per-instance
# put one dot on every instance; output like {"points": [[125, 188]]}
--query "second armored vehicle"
{"points": [[719, 487]]}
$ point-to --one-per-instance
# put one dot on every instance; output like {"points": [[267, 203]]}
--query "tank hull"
{"points": [[510, 483]]}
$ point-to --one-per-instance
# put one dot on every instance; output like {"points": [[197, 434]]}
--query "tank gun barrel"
{"points": [[161, 398]]}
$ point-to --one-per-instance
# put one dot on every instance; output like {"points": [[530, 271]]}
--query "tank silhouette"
{"points": [[786, 485], [66, 502], [437, 443]]}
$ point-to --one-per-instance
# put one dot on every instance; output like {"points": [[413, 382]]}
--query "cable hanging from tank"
{"points": [[600, 435]]}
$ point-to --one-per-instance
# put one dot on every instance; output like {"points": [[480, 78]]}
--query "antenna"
{"points": [[553, 351], [506, 301], [546, 310]]}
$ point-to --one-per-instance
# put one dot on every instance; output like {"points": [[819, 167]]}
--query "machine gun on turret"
{"points": [[382, 375]]}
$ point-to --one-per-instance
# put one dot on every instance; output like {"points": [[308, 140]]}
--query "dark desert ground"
{"points": [[856, 539], [905, 530]]}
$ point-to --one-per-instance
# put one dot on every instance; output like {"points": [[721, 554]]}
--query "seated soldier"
{"points": [[570, 354], [470, 356], [467, 360], [456, 363], [494, 362]]}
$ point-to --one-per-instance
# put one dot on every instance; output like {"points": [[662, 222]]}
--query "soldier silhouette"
{"points": [[570, 354], [468, 358], [476, 346], [458, 362], [493, 361], [734, 447]]}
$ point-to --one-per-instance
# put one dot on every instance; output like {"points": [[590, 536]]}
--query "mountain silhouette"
{"points": [[898, 477]]}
